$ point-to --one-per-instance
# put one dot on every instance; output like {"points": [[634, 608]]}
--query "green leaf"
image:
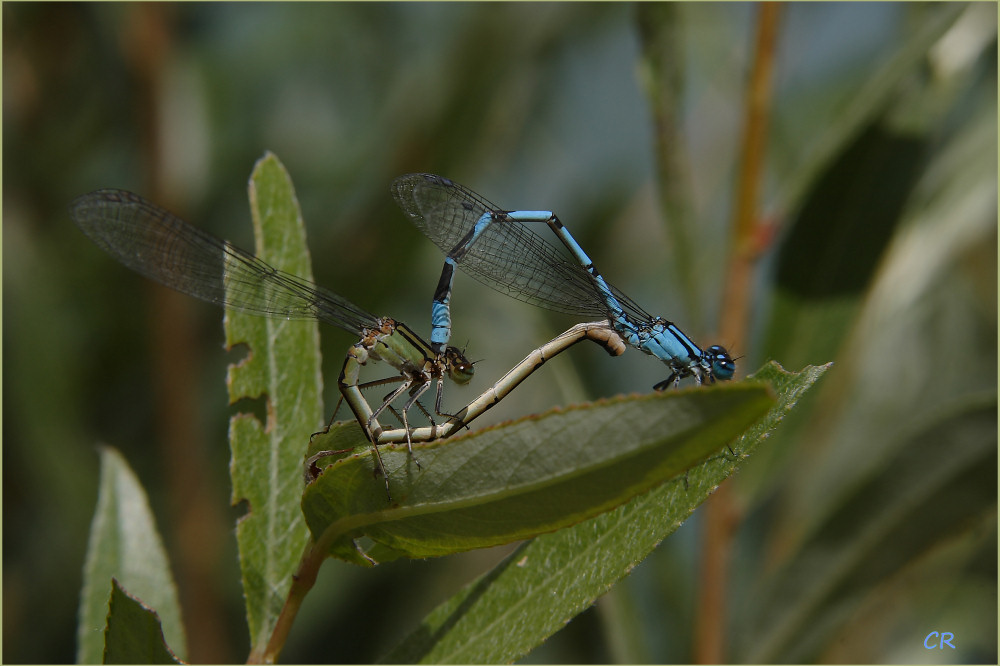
{"points": [[124, 545], [923, 495], [547, 581], [831, 253], [282, 367], [133, 634], [839, 121], [846, 195], [661, 72], [535, 475]]}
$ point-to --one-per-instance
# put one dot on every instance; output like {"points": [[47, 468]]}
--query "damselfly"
{"points": [[162, 247], [496, 247], [159, 245]]}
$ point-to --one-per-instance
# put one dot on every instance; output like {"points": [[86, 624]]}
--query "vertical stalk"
{"points": [[662, 76], [148, 42], [721, 514]]}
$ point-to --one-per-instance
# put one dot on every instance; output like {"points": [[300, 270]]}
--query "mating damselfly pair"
{"points": [[493, 245]]}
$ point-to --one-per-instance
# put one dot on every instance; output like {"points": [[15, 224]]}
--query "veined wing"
{"points": [[508, 257], [166, 249]]}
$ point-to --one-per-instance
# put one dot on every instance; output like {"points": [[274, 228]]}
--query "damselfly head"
{"points": [[723, 365], [460, 369]]}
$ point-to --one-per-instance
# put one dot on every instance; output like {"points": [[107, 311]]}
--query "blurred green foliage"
{"points": [[880, 181]]}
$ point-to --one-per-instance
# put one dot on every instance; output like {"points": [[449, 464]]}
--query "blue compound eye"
{"points": [[723, 365], [501, 247]]}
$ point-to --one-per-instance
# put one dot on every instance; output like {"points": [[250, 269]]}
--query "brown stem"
{"points": [[198, 523], [721, 514], [302, 581]]}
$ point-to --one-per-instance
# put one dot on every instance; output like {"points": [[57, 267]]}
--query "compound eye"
{"points": [[460, 369], [723, 366]]}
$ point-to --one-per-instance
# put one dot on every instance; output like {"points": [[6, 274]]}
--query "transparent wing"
{"points": [[159, 245], [508, 257]]}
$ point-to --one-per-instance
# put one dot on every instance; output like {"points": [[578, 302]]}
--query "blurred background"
{"points": [[812, 183]]}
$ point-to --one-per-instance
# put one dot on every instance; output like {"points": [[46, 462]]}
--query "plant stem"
{"points": [[721, 515], [302, 582]]}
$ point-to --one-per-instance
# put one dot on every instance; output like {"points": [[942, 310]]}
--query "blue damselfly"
{"points": [[496, 247]]}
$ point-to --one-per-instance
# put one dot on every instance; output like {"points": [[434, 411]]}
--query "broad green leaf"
{"points": [[282, 367], [549, 580], [847, 201], [857, 107], [941, 479], [870, 314], [124, 545], [832, 251], [536, 475], [133, 634]]}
